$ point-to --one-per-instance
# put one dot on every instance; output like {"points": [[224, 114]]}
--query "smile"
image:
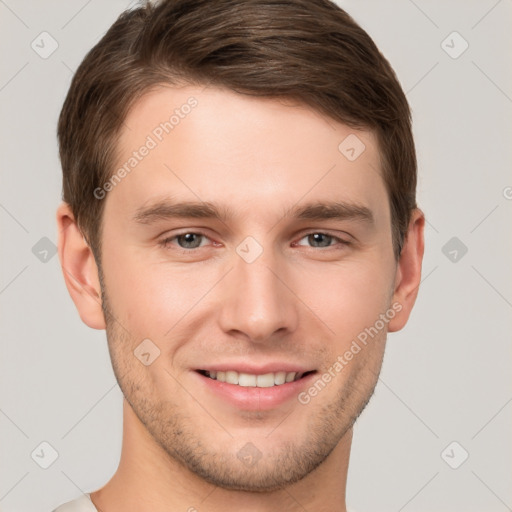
{"points": [[265, 380]]}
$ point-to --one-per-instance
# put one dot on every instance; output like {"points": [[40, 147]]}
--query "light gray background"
{"points": [[446, 377]]}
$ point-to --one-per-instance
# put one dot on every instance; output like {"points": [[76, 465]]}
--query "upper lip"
{"points": [[261, 369]]}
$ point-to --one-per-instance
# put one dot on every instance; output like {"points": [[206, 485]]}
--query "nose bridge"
{"points": [[257, 303]]}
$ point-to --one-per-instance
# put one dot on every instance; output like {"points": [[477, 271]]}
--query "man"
{"points": [[239, 214]]}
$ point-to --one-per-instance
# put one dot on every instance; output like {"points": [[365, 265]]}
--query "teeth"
{"points": [[289, 377], [231, 377], [266, 380], [280, 378], [247, 380]]}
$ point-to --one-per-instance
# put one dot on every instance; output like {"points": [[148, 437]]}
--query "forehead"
{"points": [[215, 145]]}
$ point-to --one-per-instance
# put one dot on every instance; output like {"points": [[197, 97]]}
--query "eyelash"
{"points": [[167, 241]]}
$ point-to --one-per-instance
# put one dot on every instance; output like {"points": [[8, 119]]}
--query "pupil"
{"points": [[189, 240], [317, 237]]}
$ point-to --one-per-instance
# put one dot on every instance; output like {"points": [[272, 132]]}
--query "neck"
{"points": [[148, 477]]}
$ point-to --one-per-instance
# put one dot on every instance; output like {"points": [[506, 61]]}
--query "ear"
{"points": [[408, 273], [79, 269]]}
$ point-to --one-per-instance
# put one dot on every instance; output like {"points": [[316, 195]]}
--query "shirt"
{"points": [[84, 504]]}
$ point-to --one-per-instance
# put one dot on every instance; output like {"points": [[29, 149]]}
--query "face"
{"points": [[244, 258]]}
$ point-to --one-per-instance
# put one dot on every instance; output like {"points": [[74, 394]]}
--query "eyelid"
{"points": [[337, 237], [341, 241], [168, 239]]}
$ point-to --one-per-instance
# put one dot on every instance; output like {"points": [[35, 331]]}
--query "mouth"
{"points": [[254, 388], [249, 380]]}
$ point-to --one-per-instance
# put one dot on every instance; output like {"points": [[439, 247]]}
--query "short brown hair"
{"points": [[306, 50]]}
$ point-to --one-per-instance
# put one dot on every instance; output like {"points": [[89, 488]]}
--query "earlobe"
{"points": [[79, 269], [408, 273]]}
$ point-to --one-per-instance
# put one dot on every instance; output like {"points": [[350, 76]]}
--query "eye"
{"points": [[193, 240], [320, 240], [188, 240]]}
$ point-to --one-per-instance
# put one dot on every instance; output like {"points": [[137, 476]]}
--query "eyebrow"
{"points": [[320, 210]]}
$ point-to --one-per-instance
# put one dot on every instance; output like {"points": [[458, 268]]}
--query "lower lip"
{"points": [[254, 398]]}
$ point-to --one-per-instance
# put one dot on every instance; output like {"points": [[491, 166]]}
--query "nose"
{"points": [[257, 300]]}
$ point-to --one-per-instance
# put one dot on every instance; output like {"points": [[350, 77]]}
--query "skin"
{"points": [[299, 301]]}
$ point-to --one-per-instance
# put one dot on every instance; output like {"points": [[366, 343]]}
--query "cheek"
{"points": [[347, 297], [151, 297]]}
